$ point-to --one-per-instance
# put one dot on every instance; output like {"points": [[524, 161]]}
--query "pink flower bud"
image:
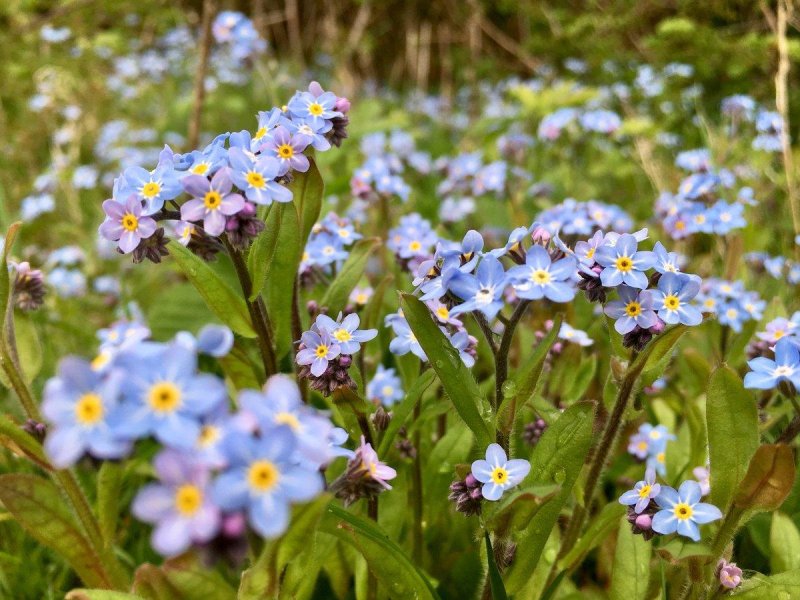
{"points": [[233, 525], [342, 105], [658, 327], [540, 235], [644, 522], [471, 481]]}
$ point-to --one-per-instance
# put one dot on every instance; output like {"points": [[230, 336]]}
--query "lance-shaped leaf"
{"points": [[768, 480], [456, 378], [280, 278], [308, 189], [385, 559], [39, 508], [732, 421], [6, 304], [226, 304], [109, 488], [372, 311], [515, 510], [630, 574], [495, 580], [557, 459], [783, 586], [784, 543], [599, 528], [338, 292], [181, 578], [262, 250]]}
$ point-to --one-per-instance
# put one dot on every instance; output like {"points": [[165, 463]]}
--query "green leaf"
{"points": [[372, 311], [516, 509], [226, 304], [732, 422], [456, 378], [782, 586], [678, 549], [262, 250], [403, 409], [181, 578], [263, 578], [336, 295], [28, 347], [599, 528], [308, 191], [659, 352], [109, 488], [388, 563], [5, 278], [495, 581], [21, 442], [784, 542], [281, 275], [581, 380], [557, 459], [631, 570], [39, 508], [768, 480]]}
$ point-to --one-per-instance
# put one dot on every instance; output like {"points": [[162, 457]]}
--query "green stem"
{"points": [[257, 310], [416, 494], [200, 74], [501, 363]]}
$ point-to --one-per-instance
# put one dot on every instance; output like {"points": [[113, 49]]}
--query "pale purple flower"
{"points": [[633, 308], [288, 149], [730, 576], [180, 505], [346, 332], [125, 224], [320, 348], [376, 470], [212, 201]]}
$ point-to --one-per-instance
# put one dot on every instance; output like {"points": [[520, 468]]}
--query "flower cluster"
{"points": [[325, 351], [237, 33], [258, 165], [381, 174], [215, 464], [488, 479], [650, 444], [327, 247], [730, 302], [656, 508]]}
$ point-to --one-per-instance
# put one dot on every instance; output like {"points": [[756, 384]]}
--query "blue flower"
{"points": [[78, 403], [482, 291], [153, 187], [313, 130], [256, 177], [180, 505], [385, 387], [539, 278], [767, 373], [639, 497], [346, 332], [682, 512], [665, 262], [405, 341], [263, 478], [280, 404], [622, 263], [672, 299], [315, 108], [633, 308], [576, 336], [468, 253], [164, 395], [497, 473]]}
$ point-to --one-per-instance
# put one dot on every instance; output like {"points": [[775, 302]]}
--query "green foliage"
{"points": [[338, 292], [631, 571]]}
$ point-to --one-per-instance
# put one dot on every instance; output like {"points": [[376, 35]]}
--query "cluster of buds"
{"points": [[243, 227], [152, 248], [467, 495], [335, 376], [28, 287], [365, 476], [592, 287], [534, 431], [642, 523]]}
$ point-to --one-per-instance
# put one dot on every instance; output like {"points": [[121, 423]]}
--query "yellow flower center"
{"points": [[101, 360], [672, 302], [208, 435], [286, 418], [680, 225], [361, 298], [263, 475], [387, 390], [285, 151], [129, 222], [642, 445], [89, 409], [315, 108], [660, 458], [415, 245], [633, 309], [164, 397], [682, 511], [645, 491], [624, 264], [731, 313], [255, 180], [590, 253], [499, 475], [540, 276], [151, 189], [262, 131], [212, 200], [342, 335], [442, 312], [200, 168], [778, 334], [321, 351], [188, 499]]}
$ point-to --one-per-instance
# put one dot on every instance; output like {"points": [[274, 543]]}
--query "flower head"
{"points": [[633, 308], [318, 349], [482, 291], [730, 576], [672, 299], [212, 200], [125, 224], [767, 373], [623, 263], [682, 512], [540, 278], [641, 494], [256, 177], [287, 148], [346, 332], [497, 473]]}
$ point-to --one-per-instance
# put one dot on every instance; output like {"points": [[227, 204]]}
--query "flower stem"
{"points": [[209, 9], [416, 494], [257, 310], [501, 363]]}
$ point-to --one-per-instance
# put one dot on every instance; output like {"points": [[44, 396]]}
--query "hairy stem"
{"points": [[501, 363], [257, 310]]}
